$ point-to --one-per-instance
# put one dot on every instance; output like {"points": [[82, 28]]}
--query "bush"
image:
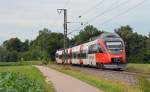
{"points": [[14, 82]]}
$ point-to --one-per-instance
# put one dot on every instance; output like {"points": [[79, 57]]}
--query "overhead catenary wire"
{"points": [[118, 15], [126, 11], [110, 9], [93, 7], [107, 10], [89, 9]]}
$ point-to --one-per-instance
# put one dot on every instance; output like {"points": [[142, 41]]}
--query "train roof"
{"points": [[110, 37]]}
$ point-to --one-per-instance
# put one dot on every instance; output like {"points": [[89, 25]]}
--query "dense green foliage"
{"points": [[42, 48], [30, 71], [47, 42], [14, 82]]}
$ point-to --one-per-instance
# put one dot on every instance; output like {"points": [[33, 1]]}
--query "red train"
{"points": [[107, 51]]}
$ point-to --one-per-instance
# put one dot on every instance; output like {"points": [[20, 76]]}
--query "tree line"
{"points": [[47, 42]]}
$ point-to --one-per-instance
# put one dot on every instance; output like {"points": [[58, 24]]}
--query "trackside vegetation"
{"points": [[30, 79], [14, 82], [139, 68], [144, 83]]}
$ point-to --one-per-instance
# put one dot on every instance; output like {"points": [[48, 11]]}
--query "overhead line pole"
{"points": [[65, 32]]}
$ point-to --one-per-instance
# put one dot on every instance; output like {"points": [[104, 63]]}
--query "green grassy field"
{"points": [[28, 70]]}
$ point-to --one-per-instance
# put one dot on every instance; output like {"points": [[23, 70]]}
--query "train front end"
{"points": [[114, 50]]}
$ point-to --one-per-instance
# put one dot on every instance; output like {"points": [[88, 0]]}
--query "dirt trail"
{"points": [[65, 83]]}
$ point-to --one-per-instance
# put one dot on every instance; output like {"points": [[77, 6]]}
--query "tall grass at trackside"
{"points": [[31, 72], [144, 83], [138, 68], [101, 83]]}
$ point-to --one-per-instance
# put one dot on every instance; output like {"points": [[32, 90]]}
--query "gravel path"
{"points": [[65, 83]]}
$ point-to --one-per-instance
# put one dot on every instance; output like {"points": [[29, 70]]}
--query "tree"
{"points": [[126, 34], [148, 48], [25, 45], [47, 42], [85, 34], [13, 44]]}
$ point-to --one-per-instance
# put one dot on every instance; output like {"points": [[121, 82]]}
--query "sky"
{"points": [[24, 18]]}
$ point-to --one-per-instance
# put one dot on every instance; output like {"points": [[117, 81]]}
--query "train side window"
{"points": [[94, 49], [73, 55], [91, 49], [78, 55], [83, 54]]}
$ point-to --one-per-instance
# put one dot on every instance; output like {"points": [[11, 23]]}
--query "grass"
{"points": [[139, 68], [101, 83], [144, 84], [31, 72], [16, 82], [20, 63], [142, 70]]}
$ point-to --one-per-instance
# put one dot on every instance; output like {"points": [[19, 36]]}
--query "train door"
{"points": [[91, 54]]}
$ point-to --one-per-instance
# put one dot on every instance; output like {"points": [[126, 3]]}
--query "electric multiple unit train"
{"points": [[107, 51]]}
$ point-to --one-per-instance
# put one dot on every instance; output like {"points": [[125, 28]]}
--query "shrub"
{"points": [[14, 82]]}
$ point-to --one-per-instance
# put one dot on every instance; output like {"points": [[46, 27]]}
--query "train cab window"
{"points": [[99, 49], [95, 49]]}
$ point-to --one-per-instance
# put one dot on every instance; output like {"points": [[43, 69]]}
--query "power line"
{"points": [[91, 8], [109, 10], [128, 10]]}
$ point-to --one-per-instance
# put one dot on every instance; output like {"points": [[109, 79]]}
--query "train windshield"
{"points": [[114, 47]]}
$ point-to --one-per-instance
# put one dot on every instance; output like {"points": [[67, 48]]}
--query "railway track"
{"points": [[107, 70]]}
